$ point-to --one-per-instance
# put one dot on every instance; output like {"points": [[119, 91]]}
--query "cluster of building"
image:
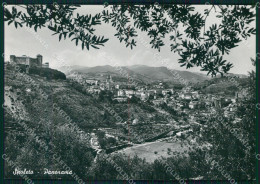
{"points": [[197, 107], [186, 98]]}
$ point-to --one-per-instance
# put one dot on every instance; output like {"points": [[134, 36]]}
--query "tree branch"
{"points": [[206, 19]]}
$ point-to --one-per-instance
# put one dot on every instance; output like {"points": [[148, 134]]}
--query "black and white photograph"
{"points": [[130, 92]]}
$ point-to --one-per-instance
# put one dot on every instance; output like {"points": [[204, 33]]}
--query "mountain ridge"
{"points": [[142, 72]]}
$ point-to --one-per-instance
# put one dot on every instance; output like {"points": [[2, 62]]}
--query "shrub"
{"points": [[48, 73]]}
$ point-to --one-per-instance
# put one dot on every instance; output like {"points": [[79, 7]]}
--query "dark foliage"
{"points": [[48, 73]]}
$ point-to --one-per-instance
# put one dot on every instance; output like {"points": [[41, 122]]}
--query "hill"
{"points": [[144, 73], [164, 74], [45, 117], [56, 116]]}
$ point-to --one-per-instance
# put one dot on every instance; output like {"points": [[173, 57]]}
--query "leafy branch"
{"points": [[195, 45], [61, 21]]}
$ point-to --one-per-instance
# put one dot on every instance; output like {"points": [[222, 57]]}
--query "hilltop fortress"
{"points": [[28, 61]]}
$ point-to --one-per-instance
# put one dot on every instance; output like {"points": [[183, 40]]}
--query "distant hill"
{"points": [[164, 74], [67, 69], [146, 73], [98, 69]]}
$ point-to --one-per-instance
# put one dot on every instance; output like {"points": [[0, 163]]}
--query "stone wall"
{"points": [[21, 60], [24, 60]]}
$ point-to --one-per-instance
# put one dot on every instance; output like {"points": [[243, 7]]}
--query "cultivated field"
{"points": [[154, 150]]}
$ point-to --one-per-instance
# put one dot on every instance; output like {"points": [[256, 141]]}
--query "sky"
{"points": [[25, 41]]}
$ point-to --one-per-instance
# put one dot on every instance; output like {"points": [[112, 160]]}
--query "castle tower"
{"points": [[12, 58], [39, 59]]}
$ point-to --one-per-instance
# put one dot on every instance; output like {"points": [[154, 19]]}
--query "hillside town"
{"points": [[185, 110]]}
